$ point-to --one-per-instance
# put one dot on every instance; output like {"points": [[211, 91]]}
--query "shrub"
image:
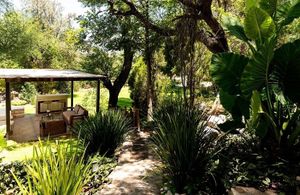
{"points": [[103, 132], [88, 99], [243, 163], [28, 92], [184, 146], [137, 82], [2, 141], [7, 181], [18, 102], [100, 169], [58, 170]]}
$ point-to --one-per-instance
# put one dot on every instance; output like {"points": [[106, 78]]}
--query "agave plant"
{"points": [[55, 170], [183, 146], [263, 81], [104, 132]]}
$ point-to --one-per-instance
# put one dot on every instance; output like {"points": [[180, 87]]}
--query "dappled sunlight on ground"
{"points": [[136, 170], [22, 151]]}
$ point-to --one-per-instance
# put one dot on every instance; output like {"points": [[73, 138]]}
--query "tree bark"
{"points": [[149, 56], [115, 88], [113, 97]]}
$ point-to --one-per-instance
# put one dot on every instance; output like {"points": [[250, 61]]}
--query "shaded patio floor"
{"points": [[26, 129]]}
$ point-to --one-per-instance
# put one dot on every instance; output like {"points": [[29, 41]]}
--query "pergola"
{"points": [[45, 75]]}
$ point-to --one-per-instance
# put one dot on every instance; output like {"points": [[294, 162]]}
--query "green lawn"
{"points": [[2, 139], [13, 151], [124, 98]]}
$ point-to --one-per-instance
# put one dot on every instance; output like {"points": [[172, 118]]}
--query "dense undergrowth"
{"points": [[198, 160], [49, 165]]}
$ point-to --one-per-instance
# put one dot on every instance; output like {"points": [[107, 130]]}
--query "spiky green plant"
{"points": [[184, 146], [104, 132], [58, 169]]}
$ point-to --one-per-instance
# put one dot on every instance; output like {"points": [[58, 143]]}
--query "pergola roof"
{"points": [[23, 75]]}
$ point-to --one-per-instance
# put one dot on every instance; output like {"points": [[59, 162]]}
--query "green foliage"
{"points": [[124, 102], [268, 75], [2, 142], [242, 163], [258, 24], [2, 139], [164, 88], [18, 102], [138, 84], [17, 36], [97, 41], [103, 132], [183, 145], [288, 11], [101, 167], [226, 70], [26, 43], [87, 98], [58, 170], [287, 59], [7, 181], [49, 15]]}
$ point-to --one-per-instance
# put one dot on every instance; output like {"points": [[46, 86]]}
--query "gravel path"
{"points": [[135, 173]]}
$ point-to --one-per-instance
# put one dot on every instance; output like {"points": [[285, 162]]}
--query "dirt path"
{"points": [[135, 173]]}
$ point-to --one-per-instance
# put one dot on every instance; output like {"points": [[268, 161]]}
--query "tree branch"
{"points": [[215, 26], [190, 4], [107, 83], [210, 41], [141, 17], [201, 10]]}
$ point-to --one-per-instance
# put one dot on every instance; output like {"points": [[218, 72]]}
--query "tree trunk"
{"points": [[148, 56], [150, 90], [115, 88], [113, 97]]}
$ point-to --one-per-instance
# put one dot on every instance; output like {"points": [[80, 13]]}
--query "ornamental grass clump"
{"points": [[104, 132], [59, 169], [185, 148]]}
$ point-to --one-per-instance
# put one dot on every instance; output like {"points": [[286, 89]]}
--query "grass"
{"points": [[2, 139], [124, 102], [20, 151]]}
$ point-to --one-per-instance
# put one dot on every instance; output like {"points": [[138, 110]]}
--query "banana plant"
{"points": [[260, 89]]}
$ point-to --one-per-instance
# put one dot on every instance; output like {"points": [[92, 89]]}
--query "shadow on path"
{"points": [[135, 173]]}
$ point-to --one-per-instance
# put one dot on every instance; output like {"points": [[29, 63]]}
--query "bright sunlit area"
{"points": [[149, 97]]}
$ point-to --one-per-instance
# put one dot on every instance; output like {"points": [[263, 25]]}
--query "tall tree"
{"points": [[16, 39], [190, 21], [49, 13], [107, 35], [212, 35]]}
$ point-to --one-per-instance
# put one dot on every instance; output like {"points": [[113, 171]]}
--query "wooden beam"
{"points": [[98, 97], [8, 107], [72, 95], [50, 79]]}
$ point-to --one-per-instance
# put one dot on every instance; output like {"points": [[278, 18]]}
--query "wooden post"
{"points": [[72, 95], [8, 107], [136, 116], [98, 97]]}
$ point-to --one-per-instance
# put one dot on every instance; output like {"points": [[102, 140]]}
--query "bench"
{"points": [[51, 103], [74, 115]]}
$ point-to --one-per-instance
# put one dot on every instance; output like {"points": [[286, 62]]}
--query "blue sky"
{"points": [[70, 6]]}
